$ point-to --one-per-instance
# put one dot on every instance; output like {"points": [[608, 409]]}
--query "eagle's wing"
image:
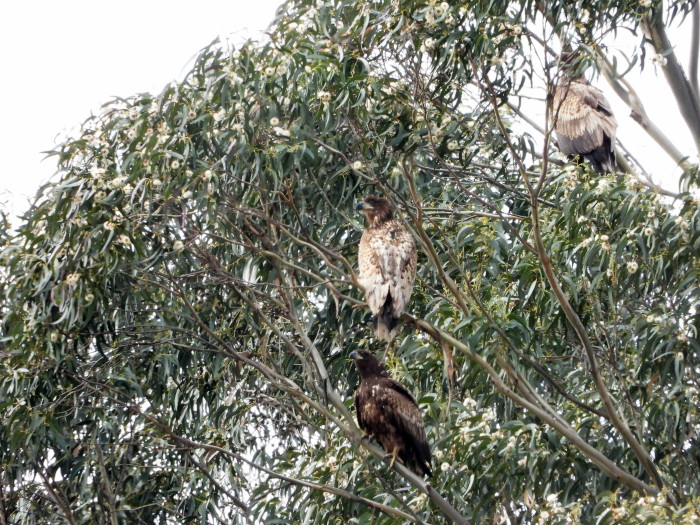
{"points": [[405, 271], [371, 277], [400, 409], [584, 118], [603, 111], [387, 260], [359, 410]]}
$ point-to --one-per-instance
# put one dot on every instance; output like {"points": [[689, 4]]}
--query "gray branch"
{"points": [[629, 96], [685, 95], [695, 49]]}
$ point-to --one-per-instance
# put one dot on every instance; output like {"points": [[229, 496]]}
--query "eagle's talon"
{"points": [[393, 457]]}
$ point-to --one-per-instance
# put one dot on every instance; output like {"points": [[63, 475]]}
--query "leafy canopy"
{"points": [[179, 305]]}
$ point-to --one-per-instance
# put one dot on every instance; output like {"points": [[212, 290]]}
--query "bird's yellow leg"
{"points": [[386, 350], [394, 456]]}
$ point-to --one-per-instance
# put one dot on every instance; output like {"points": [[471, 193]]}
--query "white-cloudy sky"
{"points": [[61, 60]]}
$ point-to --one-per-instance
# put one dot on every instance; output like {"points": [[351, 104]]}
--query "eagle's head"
{"points": [[376, 209], [367, 364], [571, 66]]}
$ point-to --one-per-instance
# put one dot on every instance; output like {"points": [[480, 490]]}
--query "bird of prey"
{"points": [[387, 261], [584, 123], [387, 412]]}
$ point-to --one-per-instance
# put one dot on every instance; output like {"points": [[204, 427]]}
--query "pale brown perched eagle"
{"points": [[584, 123], [387, 261], [387, 412]]}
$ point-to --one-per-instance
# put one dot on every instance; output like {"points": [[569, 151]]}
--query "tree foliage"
{"points": [[179, 305]]}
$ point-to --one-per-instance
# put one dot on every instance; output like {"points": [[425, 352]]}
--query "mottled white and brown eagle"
{"points": [[387, 261], [584, 123], [387, 412]]}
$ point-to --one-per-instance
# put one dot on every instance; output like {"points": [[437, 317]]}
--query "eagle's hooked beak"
{"points": [[353, 355], [359, 206]]}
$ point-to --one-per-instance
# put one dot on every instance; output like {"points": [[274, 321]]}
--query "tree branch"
{"points": [[603, 392], [557, 423], [191, 444], [287, 385], [204, 470], [536, 366], [629, 96], [610, 406], [105, 481], [695, 49], [56, 498], [685, 95]]}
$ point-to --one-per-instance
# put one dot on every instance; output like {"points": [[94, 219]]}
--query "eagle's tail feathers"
{"points": [[424, 464], [603, 158], [384, 328], [422, 469], [384, 323], [420, 460], [418, 465]]}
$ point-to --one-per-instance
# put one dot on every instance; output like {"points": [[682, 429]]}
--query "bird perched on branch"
{"points": [[387, 412], [387, 261], [583, 121]]}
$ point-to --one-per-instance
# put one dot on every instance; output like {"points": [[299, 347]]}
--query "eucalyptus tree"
{"points": [[178, 306]]}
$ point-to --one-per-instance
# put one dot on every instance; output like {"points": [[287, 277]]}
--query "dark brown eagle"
{"points": [[387, 412], [584, 123], [387, 261]]}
